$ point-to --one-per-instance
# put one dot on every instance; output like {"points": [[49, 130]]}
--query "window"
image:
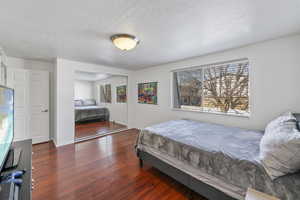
{"points": [[105, 93], [215, 88]]}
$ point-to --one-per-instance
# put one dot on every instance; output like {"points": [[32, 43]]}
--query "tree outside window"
{"points": [[222, 88]]}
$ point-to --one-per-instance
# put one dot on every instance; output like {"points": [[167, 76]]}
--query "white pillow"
{"points": [[280, 146]]}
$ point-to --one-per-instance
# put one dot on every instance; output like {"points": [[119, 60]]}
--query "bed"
{"points": [[86, 110], [219, 162]]}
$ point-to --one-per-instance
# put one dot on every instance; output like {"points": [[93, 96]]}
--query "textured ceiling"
{"points": [[169, 30]]}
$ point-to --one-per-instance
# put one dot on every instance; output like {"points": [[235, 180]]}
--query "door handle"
{"points": [[45, 110]]}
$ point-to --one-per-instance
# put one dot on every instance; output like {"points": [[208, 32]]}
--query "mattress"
{"points": [[221, 156]]}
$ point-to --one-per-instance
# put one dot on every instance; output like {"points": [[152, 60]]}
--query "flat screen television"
{"points": [[6, 122]]}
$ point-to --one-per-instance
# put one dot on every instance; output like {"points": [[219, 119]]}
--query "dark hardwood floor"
{"points": [[95, 127], [105, 168]]}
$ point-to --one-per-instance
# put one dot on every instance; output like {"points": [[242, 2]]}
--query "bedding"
{"points": [[280, 146], [298, 120], [89, 102], [226, 158], [78, 103], [85, 113]]}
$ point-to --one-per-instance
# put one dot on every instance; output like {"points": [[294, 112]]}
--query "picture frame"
{"points": [[121, 92], [147, 93]]}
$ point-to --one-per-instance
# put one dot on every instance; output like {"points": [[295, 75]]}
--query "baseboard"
{"points": [[59, 145], [40, 140], [121, 123]]}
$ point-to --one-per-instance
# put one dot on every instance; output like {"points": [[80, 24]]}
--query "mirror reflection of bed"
{"points": [[100, 104]]}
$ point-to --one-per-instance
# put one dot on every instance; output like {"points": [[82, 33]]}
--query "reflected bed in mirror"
{"points": [[100, 104]]}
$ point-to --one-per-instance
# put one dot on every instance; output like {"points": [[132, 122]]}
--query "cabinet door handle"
{"points": [[45, 110]]}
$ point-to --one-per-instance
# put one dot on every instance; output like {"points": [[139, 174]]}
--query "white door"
{"points": [[39, 106], [18, 80]]}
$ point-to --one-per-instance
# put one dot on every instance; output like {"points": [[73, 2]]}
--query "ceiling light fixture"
{"points": [[125, 41]]}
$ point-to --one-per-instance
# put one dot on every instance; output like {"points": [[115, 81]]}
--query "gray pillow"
{"points": [[297, 115], [78, 103], [280, 146], [89, 102]]}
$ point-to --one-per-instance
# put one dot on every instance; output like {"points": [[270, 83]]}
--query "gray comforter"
{"points": [[84, 113], [224, 157]]}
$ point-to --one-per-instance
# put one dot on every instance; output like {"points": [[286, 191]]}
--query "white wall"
{"points": [[274, 85], [21, 63], [64, 104], [118, 111], [64, 95], [84, 89], [55, 101]]}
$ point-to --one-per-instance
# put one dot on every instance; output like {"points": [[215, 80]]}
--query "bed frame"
{"points": [[194, 184]]}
